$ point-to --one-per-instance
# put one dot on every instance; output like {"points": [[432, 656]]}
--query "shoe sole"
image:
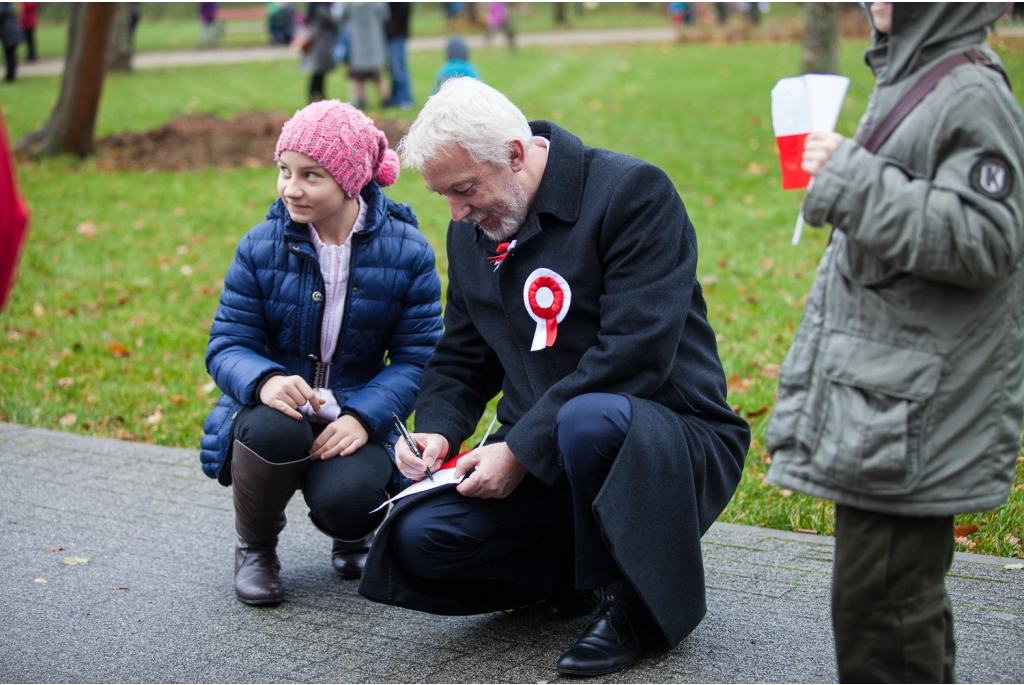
{"points": [[587, 674], [259, 602]]}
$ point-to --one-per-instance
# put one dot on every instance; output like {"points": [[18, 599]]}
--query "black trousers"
{"points": [[891, 614], [11, 59], [340, 492], [30, 43], [539, 537]]}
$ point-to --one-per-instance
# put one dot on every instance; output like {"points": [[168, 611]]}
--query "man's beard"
{"points": [[511, 213]]}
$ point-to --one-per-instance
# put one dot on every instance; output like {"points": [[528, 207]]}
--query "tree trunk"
{"points": [[560, 19], [120, 41], [820, 41], [73, 120]]}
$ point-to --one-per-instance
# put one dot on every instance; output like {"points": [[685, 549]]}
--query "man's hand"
{"points": [[287, 393], [817, 148], [497, 473], [340, 439], [432, 446]]}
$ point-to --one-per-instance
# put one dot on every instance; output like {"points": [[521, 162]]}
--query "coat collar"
{"points": [[376, 214]]}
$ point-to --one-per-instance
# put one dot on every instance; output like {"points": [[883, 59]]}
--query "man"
{"points": [[902, 395], [572, 291], [397, 29]]}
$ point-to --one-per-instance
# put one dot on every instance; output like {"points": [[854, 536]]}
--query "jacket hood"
{"points": [[922, 30]]}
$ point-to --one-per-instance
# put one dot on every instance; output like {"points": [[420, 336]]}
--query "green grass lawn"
{"points": [[106, 330]]}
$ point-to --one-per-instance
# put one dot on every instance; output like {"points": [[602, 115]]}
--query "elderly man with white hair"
{"points": [[573, 292]]}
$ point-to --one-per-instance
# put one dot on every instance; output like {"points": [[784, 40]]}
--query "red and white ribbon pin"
{"points": [[547, 297]]}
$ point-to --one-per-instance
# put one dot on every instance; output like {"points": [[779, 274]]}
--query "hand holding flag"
{"points": [[802, 105]]}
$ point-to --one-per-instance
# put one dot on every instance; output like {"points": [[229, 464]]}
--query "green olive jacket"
{"points": [[903, 391]]}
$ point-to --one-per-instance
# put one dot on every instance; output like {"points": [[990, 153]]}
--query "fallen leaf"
{"points": [[118, 349], [87, 228], [209, 387], [179, 211], [65, 382], [120, 587], [768, 263], [181, 249], [736, 384], [38, 310], [42, 581], [750, 299], [177, 399], [710, 279], [761, 411], [964, 531], [68, 419], [154, 418], [748, 199], [74, 561], [722, 262], [808, 531], [799, 303], [1013, 567], [770, 370], [786, 493], [186, 270], [709, 201], [1011, 539], [58, 548], [137, 224], [755, 169]]}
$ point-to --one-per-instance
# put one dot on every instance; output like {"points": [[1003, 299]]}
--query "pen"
{"points": [[410, 443]]}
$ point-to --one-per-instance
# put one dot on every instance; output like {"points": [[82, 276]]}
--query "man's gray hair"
{"points": [[468, 114]]}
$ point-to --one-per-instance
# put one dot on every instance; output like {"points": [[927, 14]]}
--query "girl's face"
{"points": [[311, 195]]}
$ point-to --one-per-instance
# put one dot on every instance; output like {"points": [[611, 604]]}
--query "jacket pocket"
{"points": [[874, 410]]}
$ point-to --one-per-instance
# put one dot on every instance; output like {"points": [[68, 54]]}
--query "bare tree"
{"points": [[821, 20], [121, 40], [73, 120]]}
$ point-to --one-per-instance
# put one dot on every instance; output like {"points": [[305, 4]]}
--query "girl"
{"points": [[335, 279]]}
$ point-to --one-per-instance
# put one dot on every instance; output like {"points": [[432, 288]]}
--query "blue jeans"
{"points": [[401, 84]]}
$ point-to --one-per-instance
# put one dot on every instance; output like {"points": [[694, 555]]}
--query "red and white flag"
{"points": [[802, 105]]}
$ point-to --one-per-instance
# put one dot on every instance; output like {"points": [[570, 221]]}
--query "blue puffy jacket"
{"points": [[272, 306]]}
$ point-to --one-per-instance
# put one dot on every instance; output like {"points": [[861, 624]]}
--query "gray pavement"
{"points": [[153, 60], [155, 600]]}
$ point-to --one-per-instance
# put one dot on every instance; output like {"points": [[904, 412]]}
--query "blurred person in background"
{"points": [[10, 36], [499, 21], [281, 23], [367, 48], [29, 24], [209, 32], [457, 64], [398, 33], [317, 57]]}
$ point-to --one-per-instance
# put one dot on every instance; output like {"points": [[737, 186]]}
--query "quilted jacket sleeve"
{"points": [[236, 354], [410, 344]]}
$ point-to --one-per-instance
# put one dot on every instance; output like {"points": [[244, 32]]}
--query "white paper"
{"points": [[808, 103], [442, 478]]}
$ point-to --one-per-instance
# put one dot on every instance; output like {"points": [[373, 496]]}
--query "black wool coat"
{"points": [[615, 230]]}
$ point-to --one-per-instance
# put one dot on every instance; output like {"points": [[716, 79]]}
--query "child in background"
{"points": [[329, 313], [458, 64]]}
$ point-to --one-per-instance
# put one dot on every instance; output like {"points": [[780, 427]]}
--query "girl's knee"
{"points": [[274, 436]]}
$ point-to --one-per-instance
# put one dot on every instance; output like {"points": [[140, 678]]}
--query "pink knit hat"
{"points": [[343, 141]]}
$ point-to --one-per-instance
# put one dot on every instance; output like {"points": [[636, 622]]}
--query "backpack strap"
{"points": [[925, 85]]}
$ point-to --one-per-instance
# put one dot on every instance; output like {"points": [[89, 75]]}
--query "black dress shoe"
{"points": [[349, 558], [570, 604], [615, 638]]}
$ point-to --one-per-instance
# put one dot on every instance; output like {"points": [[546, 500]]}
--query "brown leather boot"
{"points": [[349, 558], [261, 493]]}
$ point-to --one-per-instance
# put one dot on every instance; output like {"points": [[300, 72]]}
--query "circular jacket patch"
{"points": [[991, 176]]}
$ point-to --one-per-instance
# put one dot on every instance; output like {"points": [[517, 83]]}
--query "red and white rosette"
{"points": [[547, 297]]}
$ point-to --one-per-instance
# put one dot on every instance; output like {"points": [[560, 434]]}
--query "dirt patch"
{"points": [[202, 141]]}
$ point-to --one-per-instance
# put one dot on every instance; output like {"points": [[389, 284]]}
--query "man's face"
{"points": [[489, 196]]}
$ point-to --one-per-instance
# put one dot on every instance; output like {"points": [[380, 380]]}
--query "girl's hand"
{"points": [[340, 439], [287, 393], [817, 149]]}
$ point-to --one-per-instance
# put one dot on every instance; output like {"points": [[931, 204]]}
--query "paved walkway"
{"points": [[155, 600], [153, 60]]}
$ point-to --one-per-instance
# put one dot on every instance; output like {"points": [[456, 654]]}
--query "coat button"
{"points": [[295, 247], [313, 357], [317, 296]]}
